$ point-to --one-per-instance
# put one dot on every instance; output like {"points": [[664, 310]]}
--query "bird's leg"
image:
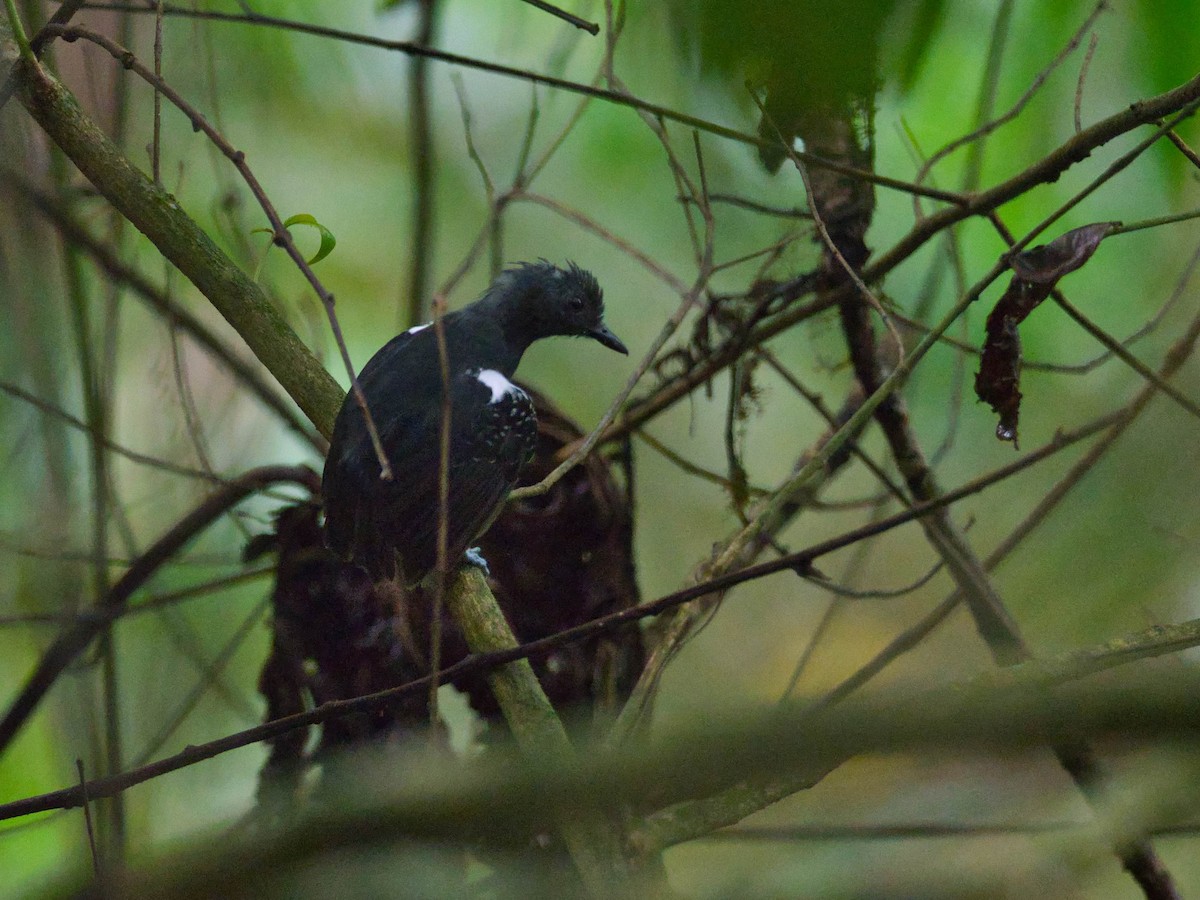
{"points": [[474, 556]]}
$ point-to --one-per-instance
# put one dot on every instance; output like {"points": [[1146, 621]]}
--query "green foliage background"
{"points": [[324, 126]]}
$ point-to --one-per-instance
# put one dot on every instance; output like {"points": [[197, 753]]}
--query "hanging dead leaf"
{"points": [[1066, 253], [1038, 269]]}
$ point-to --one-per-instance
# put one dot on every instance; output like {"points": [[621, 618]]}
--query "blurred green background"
{"points": [[324, 126]]}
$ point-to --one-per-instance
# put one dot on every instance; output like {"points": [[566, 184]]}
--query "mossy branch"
{"points": [[593, 846], [158, 215]]}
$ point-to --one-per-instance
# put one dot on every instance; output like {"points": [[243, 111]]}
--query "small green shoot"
{"points": [[328, 241]]}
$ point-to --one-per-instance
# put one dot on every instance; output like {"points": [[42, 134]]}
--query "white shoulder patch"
{"points": [[497, 384], [417, 328]]}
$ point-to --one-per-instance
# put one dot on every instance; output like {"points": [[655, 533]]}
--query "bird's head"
{"points": [[543, 300]]}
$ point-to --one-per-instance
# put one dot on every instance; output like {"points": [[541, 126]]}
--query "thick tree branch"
{"points": [[77, 233], [158, 215], [1001, 709], [693, 819], [594, 847]]}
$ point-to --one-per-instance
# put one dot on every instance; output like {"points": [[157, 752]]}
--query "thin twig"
{"points": [[783, 212], [1156, 641], [157, 602], [1083, 73], [103, 441], [590, 27], [688, 467], [18, 32], [421, 158], [1016, 108], [830, 245], [1183, 148], [77, 638], [85, 802], [589, 224], [212, 672], [156, 138], [618, 97], [281, 234], [988, 89], [105, 256], [442, 556]]}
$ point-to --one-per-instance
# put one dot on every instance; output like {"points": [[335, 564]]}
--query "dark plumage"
{"points": [[390, 527]]}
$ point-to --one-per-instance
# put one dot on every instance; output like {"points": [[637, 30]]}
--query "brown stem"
{"points": [[157, 215], [76, 639]]}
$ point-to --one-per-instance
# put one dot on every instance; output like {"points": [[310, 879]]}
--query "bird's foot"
{"points": [[474, 556]]}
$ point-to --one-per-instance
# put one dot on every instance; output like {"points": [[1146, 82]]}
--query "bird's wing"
{"points": [[399, 387], [490, 441]]}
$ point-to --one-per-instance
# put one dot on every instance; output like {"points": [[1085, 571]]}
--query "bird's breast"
{"points": [[505, 428]]}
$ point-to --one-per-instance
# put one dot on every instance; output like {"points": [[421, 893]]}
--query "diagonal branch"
{"points": [[74, 231], [76, 639], [158, 215]]}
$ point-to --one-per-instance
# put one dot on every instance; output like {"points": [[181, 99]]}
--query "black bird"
{"points": [[390, 527]]}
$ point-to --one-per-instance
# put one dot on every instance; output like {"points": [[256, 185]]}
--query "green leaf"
{"points": [[328, 241]]}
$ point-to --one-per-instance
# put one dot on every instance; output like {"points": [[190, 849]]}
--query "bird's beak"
{"points": [[602, 333]]}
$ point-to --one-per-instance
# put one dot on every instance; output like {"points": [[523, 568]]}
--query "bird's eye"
{"points": [[576, 304]]}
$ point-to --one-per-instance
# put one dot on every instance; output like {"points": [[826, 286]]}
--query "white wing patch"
{"points": [[497, 384], [417, 328]]}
